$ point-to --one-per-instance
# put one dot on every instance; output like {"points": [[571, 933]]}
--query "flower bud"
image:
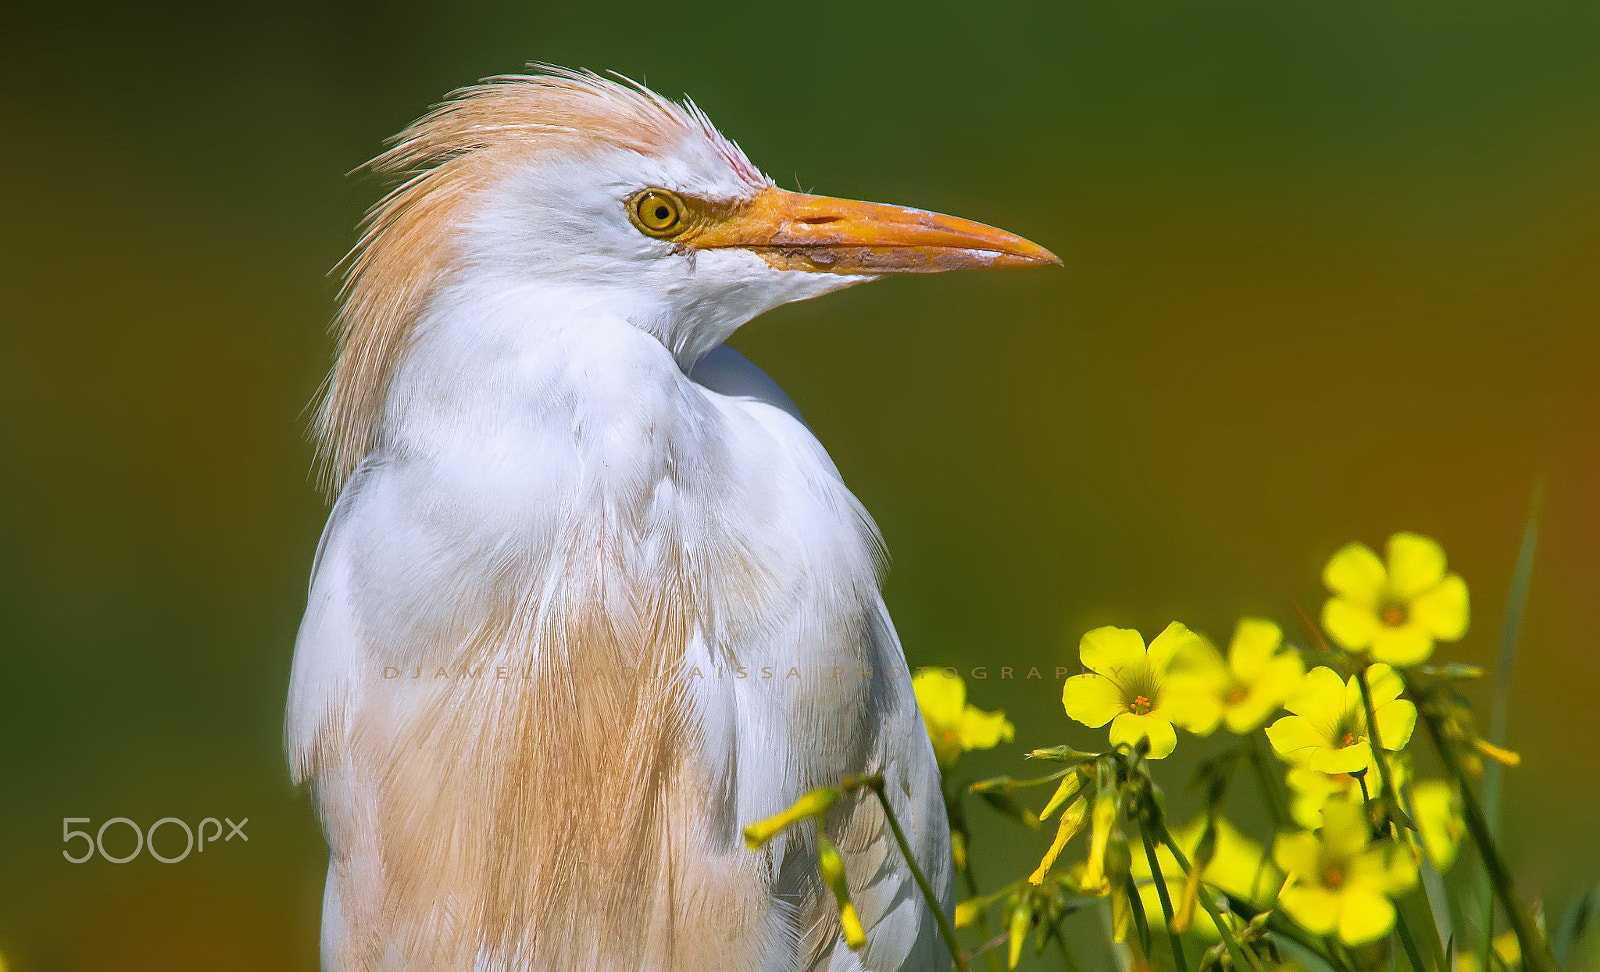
{"points": [[1021, 921], [1071, 823], [1068, 789], [813, 804], [831, 865], [1105, 817]]}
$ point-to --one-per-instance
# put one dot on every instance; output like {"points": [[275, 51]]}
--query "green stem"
{"points": [[1535, 953], [957, 812], [1061, 943], [1242, 957], [1136, 905], [875, 784], [982, 921], [1258, 761], [1391, 804], [1166, 899], [1282, 926], [1375, 742], [1340, 949], [1005, 785]]}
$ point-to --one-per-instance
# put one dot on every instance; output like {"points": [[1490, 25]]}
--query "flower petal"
{"points": [[1442, 609], [1344, 759], [1236, 864], [1320, 699], [1416, 563], [1093, 700], [1274, 684], [1297, 854], [1354, 708], [1409, 644], [1356, 574], [1313, 907], [1400, 874], [1254, 642], [1433, 807], [1295, 738], [984, 730], [1128, 728], [1282, 676], [940, 695], [1348, 623], [1191, 703], [1175, 640], [1344, 829], [1396, 721], [1250, 713], [1311, 791], [1365, 916], [1111, 651], [1386, 685]]}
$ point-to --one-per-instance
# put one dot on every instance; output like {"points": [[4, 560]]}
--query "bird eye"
{"points": [[657, 212]]}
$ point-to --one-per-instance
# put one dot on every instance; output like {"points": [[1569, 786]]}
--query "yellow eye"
{"points": [[657, 212]]}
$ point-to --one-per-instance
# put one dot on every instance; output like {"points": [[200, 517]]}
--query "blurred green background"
{"points": [[1331, 272]]}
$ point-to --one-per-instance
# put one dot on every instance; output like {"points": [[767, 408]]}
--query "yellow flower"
{"points": [[1436, 809], [1396, 611], [954, 726], [1338, 880], [1261, 678], [1238, 868], [1310, 790], [1328, 730], [1506, 948], [1125, 686]]}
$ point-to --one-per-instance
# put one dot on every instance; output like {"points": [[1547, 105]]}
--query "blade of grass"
{"points": [[1516, 604], [1416, 922], [1410, 943]]}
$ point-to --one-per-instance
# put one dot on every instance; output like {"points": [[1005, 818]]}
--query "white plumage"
{"points": [[567, 518]]}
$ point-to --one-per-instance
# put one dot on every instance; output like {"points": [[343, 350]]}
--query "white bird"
{"points": [[592, 597]]}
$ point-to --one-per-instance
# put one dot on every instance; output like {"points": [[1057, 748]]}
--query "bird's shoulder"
{"points": [[727, 372]]}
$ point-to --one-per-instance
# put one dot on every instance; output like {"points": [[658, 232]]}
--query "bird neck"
{"points": [[534, 366]]}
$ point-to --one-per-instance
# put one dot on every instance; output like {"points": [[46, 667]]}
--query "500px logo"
{"points": [[146, 839]]}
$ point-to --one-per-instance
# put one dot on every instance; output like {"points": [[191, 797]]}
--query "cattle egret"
{"points": [[592, 597]]}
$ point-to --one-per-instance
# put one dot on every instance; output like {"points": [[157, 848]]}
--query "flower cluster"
{"points": [[1351, 827]]}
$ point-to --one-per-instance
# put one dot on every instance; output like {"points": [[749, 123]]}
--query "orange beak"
{"points": [[794, 231]]}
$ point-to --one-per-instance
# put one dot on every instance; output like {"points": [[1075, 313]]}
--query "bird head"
{"points": [[605, 195]]}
